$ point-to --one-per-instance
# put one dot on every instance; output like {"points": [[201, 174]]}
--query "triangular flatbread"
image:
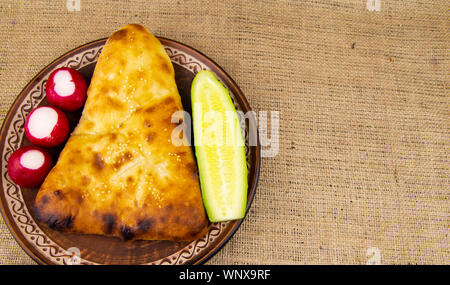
{"points": [[119, 173]]}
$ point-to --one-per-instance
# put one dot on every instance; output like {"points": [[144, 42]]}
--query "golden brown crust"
{"points": [[119, 174]]}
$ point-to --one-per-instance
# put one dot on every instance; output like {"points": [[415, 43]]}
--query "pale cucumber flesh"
{"points": [[219, 148]]}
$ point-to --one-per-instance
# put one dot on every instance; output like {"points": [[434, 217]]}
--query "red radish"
{"points": [[66, 89], [47, 126], [29, 165]]}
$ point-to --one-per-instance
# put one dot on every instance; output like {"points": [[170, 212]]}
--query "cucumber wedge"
{"points": [[219, 148]]}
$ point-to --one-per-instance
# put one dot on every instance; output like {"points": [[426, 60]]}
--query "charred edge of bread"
{"points": [[53, 220]]}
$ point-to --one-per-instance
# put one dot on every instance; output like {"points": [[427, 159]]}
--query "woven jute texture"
{"points": [[362, 93]]}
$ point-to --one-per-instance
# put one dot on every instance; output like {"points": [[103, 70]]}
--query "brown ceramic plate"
{"points": [[47, 246]]}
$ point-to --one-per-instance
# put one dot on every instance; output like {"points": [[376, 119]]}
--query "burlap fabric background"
{"points": [[363, 165]]}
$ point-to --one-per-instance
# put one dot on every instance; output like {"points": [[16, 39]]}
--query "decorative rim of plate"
{"points": [[25, 230]]}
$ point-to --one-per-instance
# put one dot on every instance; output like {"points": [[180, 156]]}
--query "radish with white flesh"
{"points": [[29, 165], [46, 126], [66, 89]]}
